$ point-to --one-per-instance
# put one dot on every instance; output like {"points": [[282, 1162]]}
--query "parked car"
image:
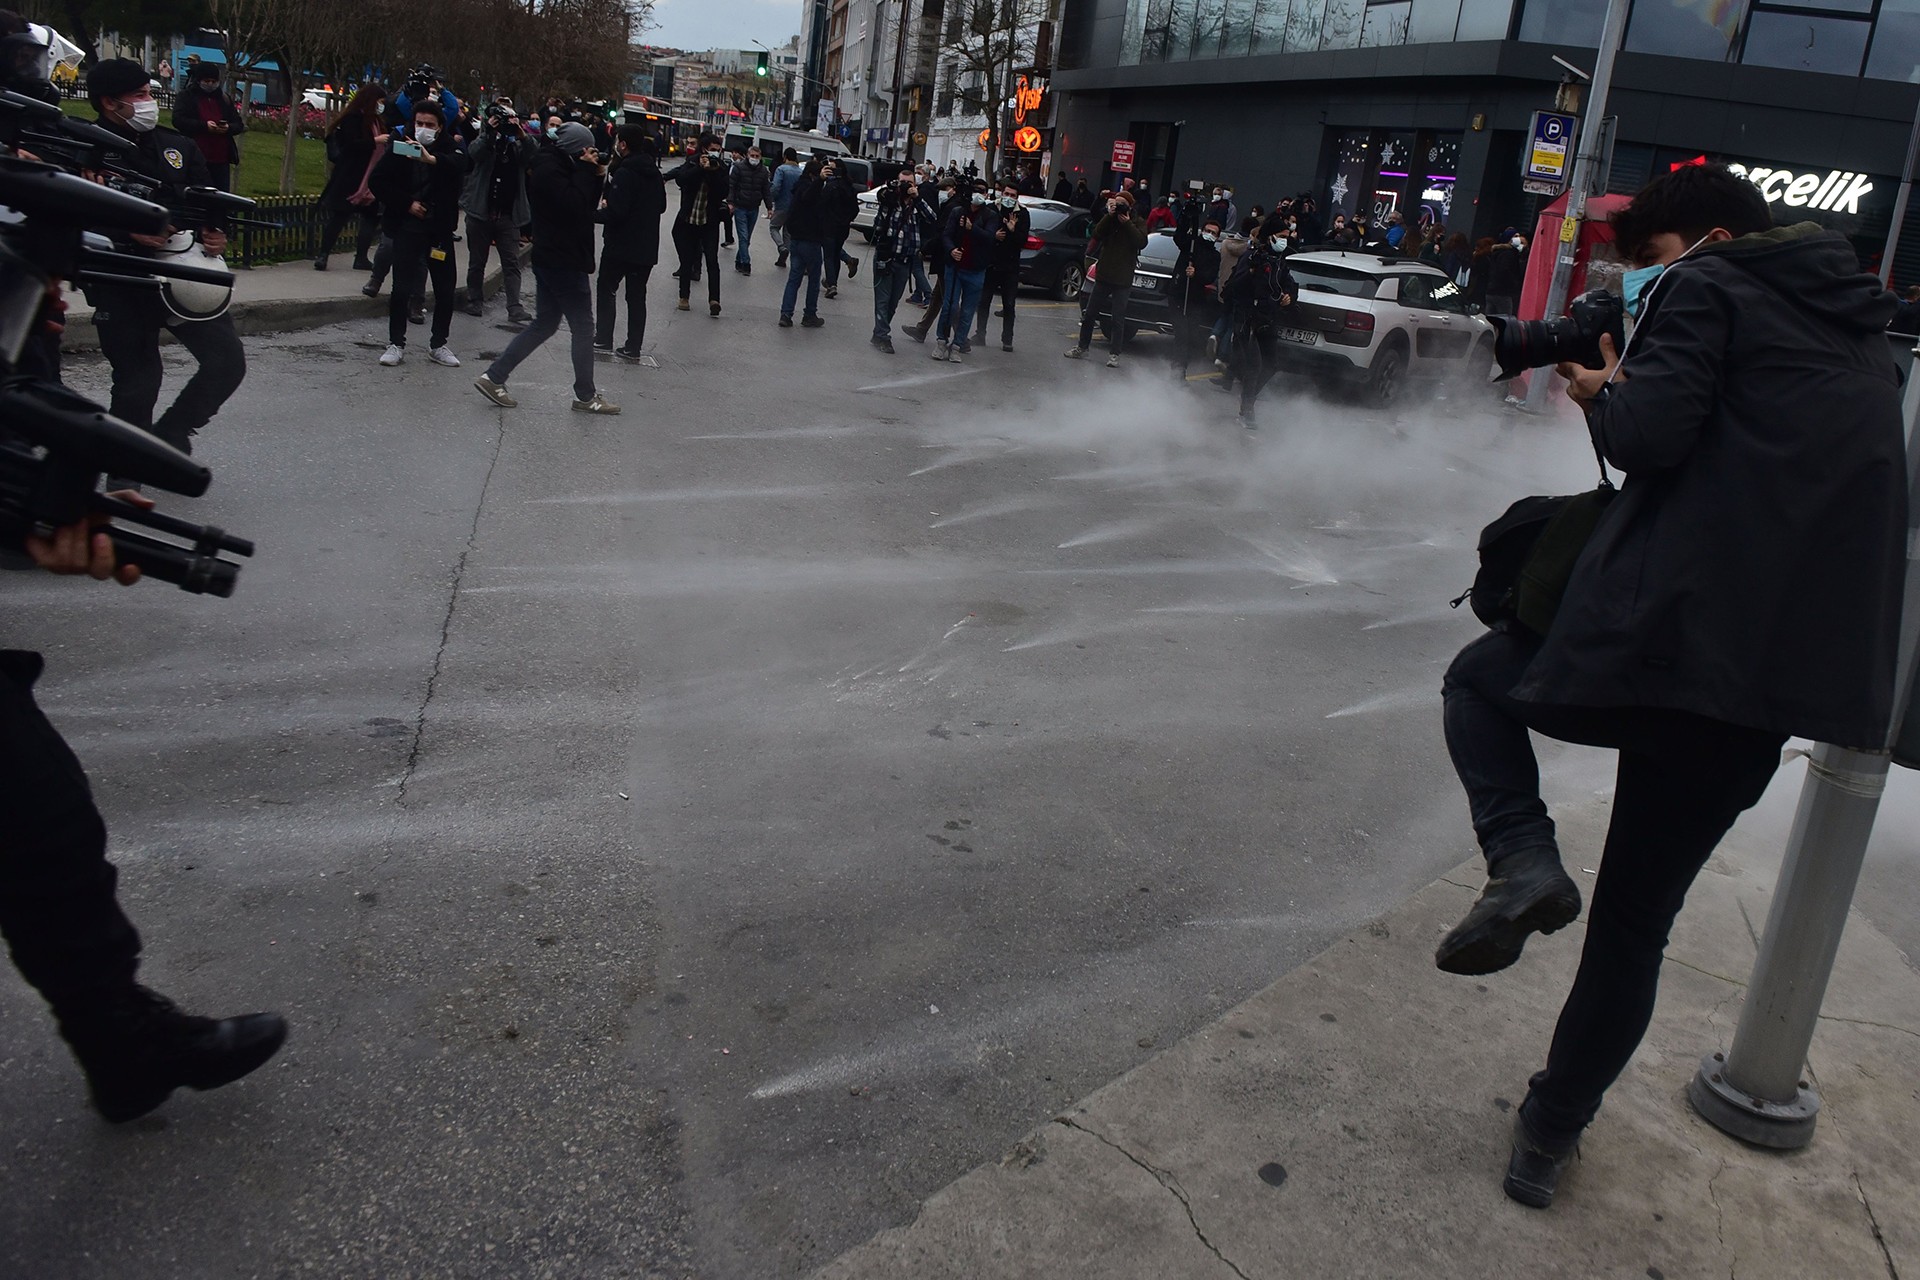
{"points": [[1151, 306], [1378, 322], [1056, 242]]}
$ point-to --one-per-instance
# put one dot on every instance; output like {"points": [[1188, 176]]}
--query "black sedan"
{"points": [[1055, 256]]}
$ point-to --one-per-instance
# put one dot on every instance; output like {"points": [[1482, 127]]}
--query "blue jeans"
{"points": [[557, 295], [1223, 336], [743, 223], [890, 277], [956, 311], [1682, 781], [922, 287], [804, 258]]}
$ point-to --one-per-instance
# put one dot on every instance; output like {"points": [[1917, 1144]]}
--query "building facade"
{"points": [[1424, 106]]}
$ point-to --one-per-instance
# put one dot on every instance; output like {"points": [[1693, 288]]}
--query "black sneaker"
{"points": [[853, 267], [371, 289], [629, 354], [780, 261], [1533, 1170], [137, 1054], [917, 332], [1527, 892], [812, 322], [885, 344], [786, 322], [603, 348]]}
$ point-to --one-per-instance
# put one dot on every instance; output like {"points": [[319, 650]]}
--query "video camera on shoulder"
{"points": [[56, 446], [1519, 345]]}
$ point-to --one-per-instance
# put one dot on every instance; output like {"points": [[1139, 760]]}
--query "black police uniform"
{"points": [[129, 320]]}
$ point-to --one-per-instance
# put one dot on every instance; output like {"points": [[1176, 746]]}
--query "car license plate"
{"points": [[1145, 283], [1305, 337]]}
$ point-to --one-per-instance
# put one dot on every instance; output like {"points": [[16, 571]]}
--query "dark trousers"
{"points": [[1112, 299], [614, 273], [129, 322], [413, 267], [66, 931], [1255, 357], [1681, 782], [220, 175], [696, 244], [484, 235], [803, 264], [890, 279], [364, 235], [936, 302], [557, 295], [835, 258], [1003, 281]]}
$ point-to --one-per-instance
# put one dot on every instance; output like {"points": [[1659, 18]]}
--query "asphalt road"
{"points": [[683, 841]]}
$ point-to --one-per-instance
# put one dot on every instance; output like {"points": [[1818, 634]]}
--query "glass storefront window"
{"points": [[1386, 23], [1342, 27], [1577, 22], [1269, 27], [1236, 37], [1801, 43], [1684, 28], [1433, 21], [1896, 42], [1304, 21], [1484, 19]]}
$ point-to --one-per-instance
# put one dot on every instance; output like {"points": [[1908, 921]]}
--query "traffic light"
{"points": [[760, 65]]}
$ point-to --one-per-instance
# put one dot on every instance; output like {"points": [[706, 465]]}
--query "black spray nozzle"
{"points": [[42, 191], [90, 439]]}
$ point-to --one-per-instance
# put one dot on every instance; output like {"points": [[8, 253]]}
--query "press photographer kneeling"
{"points": [[1743, 586]]}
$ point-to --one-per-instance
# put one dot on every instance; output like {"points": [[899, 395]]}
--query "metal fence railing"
{"points": [[301, 219]]}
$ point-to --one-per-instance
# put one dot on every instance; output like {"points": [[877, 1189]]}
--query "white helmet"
{"points": [[190, 299]]}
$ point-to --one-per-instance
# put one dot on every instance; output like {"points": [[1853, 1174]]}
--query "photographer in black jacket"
{"points": [[1743, 586], [495, 202], [419, 198], [129, 320], [636, 198]]}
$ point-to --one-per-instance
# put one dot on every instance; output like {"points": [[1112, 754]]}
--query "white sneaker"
{"points": [[445, 356], [941, 351], [395, 353]]}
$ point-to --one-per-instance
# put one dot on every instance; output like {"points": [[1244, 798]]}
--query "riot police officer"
{"points": [[129, 320]]}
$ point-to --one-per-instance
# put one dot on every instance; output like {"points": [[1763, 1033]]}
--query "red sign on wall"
{"points": [[1123, 157]]}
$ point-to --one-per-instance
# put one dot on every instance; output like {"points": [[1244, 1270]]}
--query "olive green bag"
{"points": [[1527, 556]]}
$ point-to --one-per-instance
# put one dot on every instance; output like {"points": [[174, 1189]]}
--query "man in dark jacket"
{"points": [[839, 205], [966, 244], [495, 202], [563, 188], [749, 189], [1011, 226], [1121, 237], [1506, 274], [420, 202], [1743, 586], [636, 198], [1063, 190], [206, 114], [1196, 288], [1257, 295], [702, 179], [903, 221], [806, 233]]}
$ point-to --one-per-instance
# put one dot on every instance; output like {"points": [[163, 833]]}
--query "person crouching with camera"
{"points": [[129, 320], [1743, 586], [419, 183]]}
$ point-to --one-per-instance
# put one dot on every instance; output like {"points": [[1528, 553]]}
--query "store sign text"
{"points": [[1838, 191]]}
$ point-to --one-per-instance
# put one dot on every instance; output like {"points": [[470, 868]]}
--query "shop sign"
{"points": [[1835, 191], [1549, 146], [1027, 139], [1123, 152]]}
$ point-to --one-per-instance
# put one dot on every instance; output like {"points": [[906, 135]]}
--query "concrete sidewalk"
{"points": [[1353, 1119], [286, 296]]}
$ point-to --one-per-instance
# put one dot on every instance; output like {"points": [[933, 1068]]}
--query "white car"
{"points": [[1380, 321], [869, 203]]}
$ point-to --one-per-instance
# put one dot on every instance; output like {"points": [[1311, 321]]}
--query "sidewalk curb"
{"points": [[1353, 1118], [276, 315]]}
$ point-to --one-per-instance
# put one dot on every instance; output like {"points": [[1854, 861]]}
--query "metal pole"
{"points": [[1757, 1091], [1900, 201], [899, 59], [1584, 162]]}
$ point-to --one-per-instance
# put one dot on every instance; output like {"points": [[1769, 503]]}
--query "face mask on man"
{"points": [[978, 199], [146, 114], [1279, 244], [1518, 242], [1635, 283], [1210, 237], [1009, 202], [426, 133]]}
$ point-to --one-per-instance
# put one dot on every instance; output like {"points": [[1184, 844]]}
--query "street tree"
{"points": [[985, 45]]}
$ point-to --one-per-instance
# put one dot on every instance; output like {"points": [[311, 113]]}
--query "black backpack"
{"points": [[1527, 556]]}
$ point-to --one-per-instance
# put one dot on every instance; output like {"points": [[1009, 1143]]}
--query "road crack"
{"points": [[446, 622], [1705, 972], [1886, 1254], [1166, 1180], [1868, 1022]]}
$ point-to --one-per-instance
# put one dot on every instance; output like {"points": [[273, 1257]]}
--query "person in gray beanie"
{"points": [[563, 187]]}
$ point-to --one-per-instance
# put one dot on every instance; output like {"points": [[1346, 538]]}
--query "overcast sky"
{"points": [[722, 24]]}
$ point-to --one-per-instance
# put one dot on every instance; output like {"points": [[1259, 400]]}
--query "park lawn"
{"points": [[260, 156]]}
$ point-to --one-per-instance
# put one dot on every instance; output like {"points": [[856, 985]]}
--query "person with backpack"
{"points": [[1260, 290]]}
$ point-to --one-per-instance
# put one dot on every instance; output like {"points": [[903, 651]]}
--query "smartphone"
{"points": [[401, 147]]}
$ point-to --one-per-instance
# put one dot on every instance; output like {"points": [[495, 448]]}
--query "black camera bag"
{"points": [[1527, 556]]}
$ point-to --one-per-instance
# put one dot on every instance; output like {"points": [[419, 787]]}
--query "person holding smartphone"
{"points": [[419, 183]]}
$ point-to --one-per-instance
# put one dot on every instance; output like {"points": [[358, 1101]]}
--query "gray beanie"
{"points": [[573, 138]]}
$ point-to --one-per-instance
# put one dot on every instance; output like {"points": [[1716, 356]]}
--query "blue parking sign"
{"points": [[1550, 144]]}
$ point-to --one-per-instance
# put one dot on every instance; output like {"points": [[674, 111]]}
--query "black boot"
{"points": [[1534, 1169], [141, 1048], [1527, 892]]}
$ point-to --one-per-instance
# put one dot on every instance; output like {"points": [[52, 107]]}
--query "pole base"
{"points": [[1783, 1126]]}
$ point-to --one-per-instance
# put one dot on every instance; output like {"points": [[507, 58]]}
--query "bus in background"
{"points": [[773, 140], [676, 135]]}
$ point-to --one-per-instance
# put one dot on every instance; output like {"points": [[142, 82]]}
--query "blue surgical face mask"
{"points": [[1635, 283]]}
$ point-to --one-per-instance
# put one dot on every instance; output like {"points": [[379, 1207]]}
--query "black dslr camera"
{"points": [[56, 446], [1519, 345]]}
